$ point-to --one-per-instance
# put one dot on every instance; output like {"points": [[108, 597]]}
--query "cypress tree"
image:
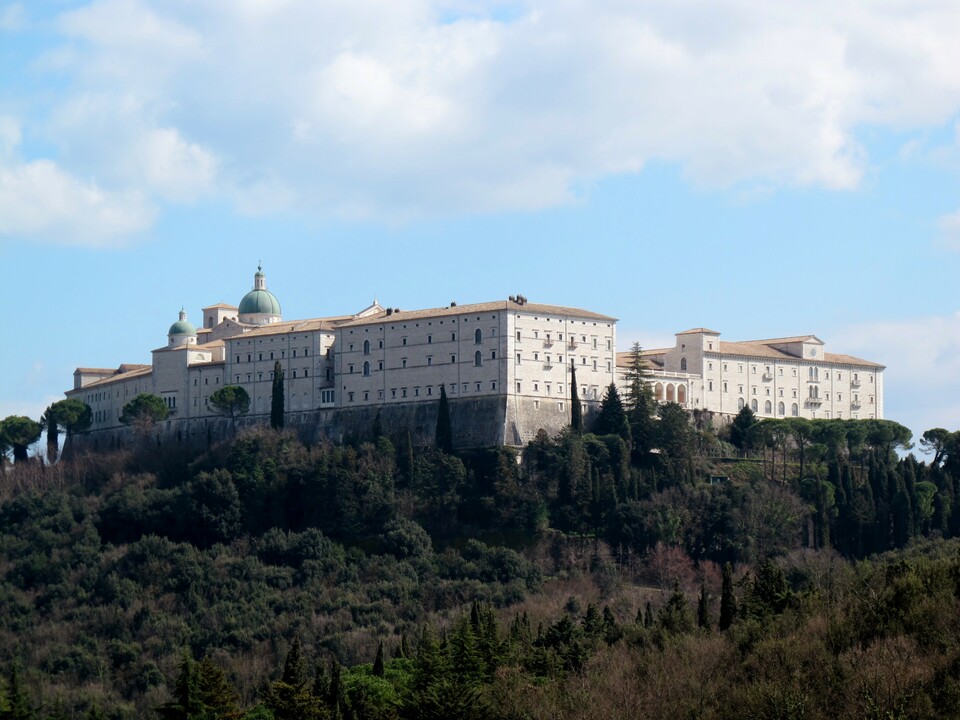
{"points": [[728, 601], [444, 436], [576, 411], [648, 615], [703, 610], [276, 398], [378, 668]]}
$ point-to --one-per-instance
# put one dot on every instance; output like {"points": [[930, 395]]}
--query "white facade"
{"points": [[510, 354], [511, 351], [778, 377]]}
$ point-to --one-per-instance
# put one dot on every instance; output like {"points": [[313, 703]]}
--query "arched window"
{"points": [[477, 336], [477, 357], [658, 392], [366, 347], [768, 407], [366, 368], [739, 403], [681, 394], [670, 396], [794, 410], [683, 364], [780, 409], [753, 405]]}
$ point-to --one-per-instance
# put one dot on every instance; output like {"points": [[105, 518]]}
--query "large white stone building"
{"points": [[778, 377], [505, 365], [507, 361]]}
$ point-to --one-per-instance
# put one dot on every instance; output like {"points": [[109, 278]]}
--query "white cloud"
{"points": [[174, 168], [949, 226], [39, 199], [13, 17], [370, 107], [922, 379]]}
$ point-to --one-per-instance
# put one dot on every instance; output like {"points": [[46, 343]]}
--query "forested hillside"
{"points": [[656, 567]]}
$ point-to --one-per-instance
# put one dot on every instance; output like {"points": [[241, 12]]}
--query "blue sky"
{"points": [[764, 169]]}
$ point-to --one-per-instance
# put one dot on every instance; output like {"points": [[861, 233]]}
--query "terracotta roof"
{"points": [[625, 359], [495, 306], [760, 349], [698, 331], [124, 368], [220, 305], [119, 377], [293, 326], [796, 338]]}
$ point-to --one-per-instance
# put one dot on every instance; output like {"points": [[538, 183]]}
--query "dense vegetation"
{"points": [[658, 567]]}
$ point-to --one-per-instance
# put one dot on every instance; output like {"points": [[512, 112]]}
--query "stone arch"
{"points": [[658, 392], [768, 408], [671, 397], [681, 394]]}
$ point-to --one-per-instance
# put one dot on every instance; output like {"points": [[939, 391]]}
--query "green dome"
{"points": [[259, 302], [182, 327]]}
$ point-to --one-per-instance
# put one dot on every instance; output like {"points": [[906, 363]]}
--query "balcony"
{"points": [[548, 343], [767, 377], [855, 383], [572, 345], [813, 401], [813, 380], [856, 404]]}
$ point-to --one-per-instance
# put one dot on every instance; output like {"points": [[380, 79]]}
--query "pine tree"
{"points": [[612, 418], [17, 703], [186, 703], [728, 601], [640, 406], [576, 410], [277, 398], [288, 697], [648, 615], [444, 435], [218, 697]]}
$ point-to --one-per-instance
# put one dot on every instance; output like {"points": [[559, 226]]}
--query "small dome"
{"points": [[182, 326], [259, 301]]}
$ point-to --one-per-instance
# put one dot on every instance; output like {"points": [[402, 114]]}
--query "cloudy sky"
{"points": [[764, 169]]}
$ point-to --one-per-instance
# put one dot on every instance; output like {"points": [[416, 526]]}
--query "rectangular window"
{"points": [[478, 387], [429, 389], [294, 352], [493, 385], [518, 358], [429, 339], [518, 387], [351, 369], [518, 334], [350, 397], [294, 374], [453, 336], [403, 362], [710, 386], [306, 372], [493, 354], [453, 359], [366, 395], [238, 358], [403, 392], [429, 360]]}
